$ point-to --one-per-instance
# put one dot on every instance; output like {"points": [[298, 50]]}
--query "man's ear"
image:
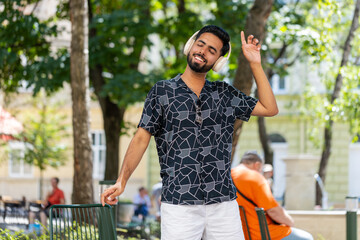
{"points": [[258, 166]]}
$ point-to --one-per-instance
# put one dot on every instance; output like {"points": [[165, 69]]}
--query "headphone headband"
{"points": [[219, 64]]}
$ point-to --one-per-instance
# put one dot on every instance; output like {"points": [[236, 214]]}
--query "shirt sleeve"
{"points": [[152, 112], [242, 104], [61, 195], [148, 201], [136, 199], [263, 195]]}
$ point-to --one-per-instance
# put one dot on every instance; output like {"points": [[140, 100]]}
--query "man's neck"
{"points": [[195, 81], [247, 166]]}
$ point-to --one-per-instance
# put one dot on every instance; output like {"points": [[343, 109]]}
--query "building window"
{"points": [[18, 168], [278, 84], [98, 150]]}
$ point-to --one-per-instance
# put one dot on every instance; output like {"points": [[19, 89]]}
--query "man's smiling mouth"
{"points": [[199, 58]]}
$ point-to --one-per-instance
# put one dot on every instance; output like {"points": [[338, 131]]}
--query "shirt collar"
{"points": [[180, 83]]}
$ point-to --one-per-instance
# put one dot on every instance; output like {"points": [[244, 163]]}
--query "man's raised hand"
{"points": [[251, 48]]}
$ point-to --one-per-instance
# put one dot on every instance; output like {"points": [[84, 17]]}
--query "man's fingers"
{"points": [[109, 195], [113, 195], [105, 195], [112, 202], [250, 38], [243, 38], [259, 46]]}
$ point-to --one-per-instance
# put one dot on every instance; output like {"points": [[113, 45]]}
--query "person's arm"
{"points": [[132, 158], [279, 215], [148, 201], [62, 198], [266, 106], [45, 202]]}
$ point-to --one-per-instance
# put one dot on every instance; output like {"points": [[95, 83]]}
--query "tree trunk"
{"points": [[82, 183], [336, 92], [265, 141], [41, 181], [255, 25], [113, 116]]}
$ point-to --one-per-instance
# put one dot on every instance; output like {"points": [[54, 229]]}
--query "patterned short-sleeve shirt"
{"points": [[194, 138]]}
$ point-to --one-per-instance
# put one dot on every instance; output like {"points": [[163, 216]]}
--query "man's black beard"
{"points": [[196, 67]]}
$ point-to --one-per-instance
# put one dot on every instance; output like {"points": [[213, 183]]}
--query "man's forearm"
{"points": [[265, 93], [133, 155], [279, 215]]}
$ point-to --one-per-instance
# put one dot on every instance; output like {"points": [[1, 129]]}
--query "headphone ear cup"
{"points": [[190, 43], [219, 64], [188, 46]]}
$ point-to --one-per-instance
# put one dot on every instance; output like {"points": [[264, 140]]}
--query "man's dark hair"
{"points": [[251, 157], [220, 33]]}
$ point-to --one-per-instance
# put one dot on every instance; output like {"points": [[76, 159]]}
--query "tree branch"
{"points": [[36, 4], [347, 50]]}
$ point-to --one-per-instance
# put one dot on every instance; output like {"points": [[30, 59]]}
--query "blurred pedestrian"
{"points": [[142, 203], [254, 191], [268, 173], [156, 197], [56, 196]]}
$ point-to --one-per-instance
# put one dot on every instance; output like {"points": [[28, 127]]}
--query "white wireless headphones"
{"points": [[219, 64]]}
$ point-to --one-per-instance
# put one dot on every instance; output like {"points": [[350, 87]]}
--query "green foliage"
{"points": [[122, 33], [43, 135], [126, 30], [226, 13], [332, 24], [6, 234], [25, 50], [349, 105], [313, 111], [76, 231], [287, 30]]}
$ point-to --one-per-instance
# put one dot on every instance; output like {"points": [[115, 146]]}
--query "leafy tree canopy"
{"points": [[43, 134], [331, 20], [25, 56]]}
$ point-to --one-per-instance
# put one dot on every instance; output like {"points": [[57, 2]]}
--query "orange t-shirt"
{"points": [[255, 187], [56, 196]]}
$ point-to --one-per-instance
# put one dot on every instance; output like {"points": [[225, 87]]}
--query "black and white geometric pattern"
{"points": [[194, 138]]}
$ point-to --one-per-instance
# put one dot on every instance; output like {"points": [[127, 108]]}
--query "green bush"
{"points": [[6, 234], [83, 230]]}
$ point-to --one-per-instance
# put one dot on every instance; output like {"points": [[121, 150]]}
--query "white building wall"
{"points": [[279, 184], [354, 168]]}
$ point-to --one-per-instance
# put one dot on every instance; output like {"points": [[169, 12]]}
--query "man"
{"points": [[268, 173], [254, 191], [142, 202], [192, 121], [56, 196]]}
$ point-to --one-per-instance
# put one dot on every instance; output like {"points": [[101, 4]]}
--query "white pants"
{"points": [[220, 221]]}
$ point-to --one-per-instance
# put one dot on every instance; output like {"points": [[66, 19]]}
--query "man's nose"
{"points": [[201, 51]]}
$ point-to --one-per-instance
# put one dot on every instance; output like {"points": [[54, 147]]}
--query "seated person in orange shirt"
{"points": [[254, 191], [56, 196]]}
